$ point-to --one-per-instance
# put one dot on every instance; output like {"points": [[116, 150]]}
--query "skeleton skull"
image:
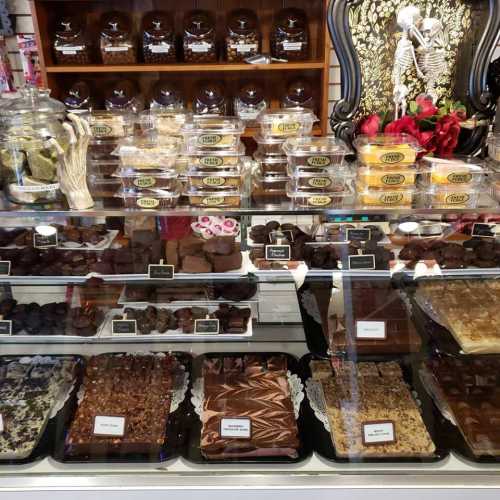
{"points": [[430, 28], [409, 17]]}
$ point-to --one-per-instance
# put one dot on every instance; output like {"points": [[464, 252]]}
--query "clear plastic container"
{"points": [[213, 133], [103, 187], [104, 168], [111, 125], [199, 39], [453, 196], [313, 199], [270, 183], [387, 149], [388, 179], [70, 43], [380, 197], [243, 36], [214, 180], [493, 143], [210, 99], [320, 182], [166, 97], [272, 165], [163, 122], [290, 35], [158, 38], [269, 146], [151, 151], [249, 103], [117, 39], [454, 172], [224, 159], [315, 153], [140, 180], [287, 122], [149, 198], [214, 199]]}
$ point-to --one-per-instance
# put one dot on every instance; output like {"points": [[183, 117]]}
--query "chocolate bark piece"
{"points": [[224, 263], [194, 264], [220, 245], [191, 245]]}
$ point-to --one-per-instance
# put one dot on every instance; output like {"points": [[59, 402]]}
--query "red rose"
{"points": [[370, 125], [425, 108], [446, 135], [405, 125]]}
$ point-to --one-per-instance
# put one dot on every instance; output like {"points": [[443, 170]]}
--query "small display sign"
{"points": [[161, 272], [361, 261], [358, 234], [124, 327], [105, 425], [278, 252], [371, 330], [378, 432], [5, 328], [236, 428], [4, 267], [209, 326], [483, 230], [45, 241]]}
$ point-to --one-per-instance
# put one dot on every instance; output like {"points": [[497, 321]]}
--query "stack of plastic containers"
{"points": [[494, 165], [387, 171], [214, 152], [147, 171], [319, 175], [270, 179]]}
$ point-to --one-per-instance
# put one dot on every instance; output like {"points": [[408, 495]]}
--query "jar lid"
{"points": [[115, 25], [199, 23], [68, 27], [251, 93], [121, 94], [34, 101], [242, 22], [165, 94], [292, 21], [210, 94], [157, 24], [299, 92], [78, 96]]}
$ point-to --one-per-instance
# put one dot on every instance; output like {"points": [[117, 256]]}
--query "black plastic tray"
{"points": [[45, 445], [433, 420], [175, 437], [193, 452]]}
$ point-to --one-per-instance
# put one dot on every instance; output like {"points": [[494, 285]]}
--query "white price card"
{"points": [[109, 426], [236, 428], [371, 330], [378, 432]]}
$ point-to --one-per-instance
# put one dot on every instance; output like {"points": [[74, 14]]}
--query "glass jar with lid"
{"points": [[249, 102], [117, 39], [199, 39], [158, 38], [210, 99], [299, 94], [70, 43], [243, 38], [166, 97], [78, 98], [290, 35], [29, 162], [123, 96]]}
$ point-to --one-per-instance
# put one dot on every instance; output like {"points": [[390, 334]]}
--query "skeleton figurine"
{"points": [[431, 55], [408, 20]]}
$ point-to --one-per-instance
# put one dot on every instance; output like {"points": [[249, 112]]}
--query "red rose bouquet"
{"points": [[436, 129]]}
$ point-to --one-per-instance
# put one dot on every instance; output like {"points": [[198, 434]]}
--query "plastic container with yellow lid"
{"points": [[384, 150], [455, 172], [286, 122], [387, 179], [380, 197]]}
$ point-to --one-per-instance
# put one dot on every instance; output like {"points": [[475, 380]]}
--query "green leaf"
{"points": [[413, 107]]}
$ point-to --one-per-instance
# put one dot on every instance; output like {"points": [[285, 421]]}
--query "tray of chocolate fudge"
{"points": [[34, 390], [248, 408], [371, 409], [129, 408], [467, 390], [221, 321]]}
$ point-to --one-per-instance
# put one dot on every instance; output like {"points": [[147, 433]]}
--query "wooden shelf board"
{"points": [[185, 68]]}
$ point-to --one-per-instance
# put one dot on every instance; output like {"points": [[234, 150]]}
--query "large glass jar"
{"points": [[199, 39], [290, 35], [29, 162], [78, 99], [117, 39], [70, 43], [249, 102], [210, 99], [299, 94], [123, 96], [243, 38], [166, 97], [158, 38]]}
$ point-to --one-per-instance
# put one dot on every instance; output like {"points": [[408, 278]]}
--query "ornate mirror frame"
{"points": [[479, 101]]}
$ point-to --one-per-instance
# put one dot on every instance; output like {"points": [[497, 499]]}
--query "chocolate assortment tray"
{"points": [[427, 433], [84, 437], [267, 426]]}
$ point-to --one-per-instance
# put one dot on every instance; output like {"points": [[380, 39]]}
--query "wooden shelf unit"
{"points": [[273, 77]]}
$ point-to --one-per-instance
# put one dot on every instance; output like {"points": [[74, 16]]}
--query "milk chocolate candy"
{"points": [[224, 263], [220, 245]]}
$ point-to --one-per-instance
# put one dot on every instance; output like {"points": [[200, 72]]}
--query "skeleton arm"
{"points": [[421, 41]]}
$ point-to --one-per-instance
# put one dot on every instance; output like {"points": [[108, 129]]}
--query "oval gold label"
{"points": [[319, 201], [457, 198], [209, 139], [99, 130], [391, 199], [213, 200], [213, 181], [459, 177], [318, 161], [319, 182], [286, 128], [148, 202], [393, 179], [211, 161], [145, 182], [392, 157]]}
